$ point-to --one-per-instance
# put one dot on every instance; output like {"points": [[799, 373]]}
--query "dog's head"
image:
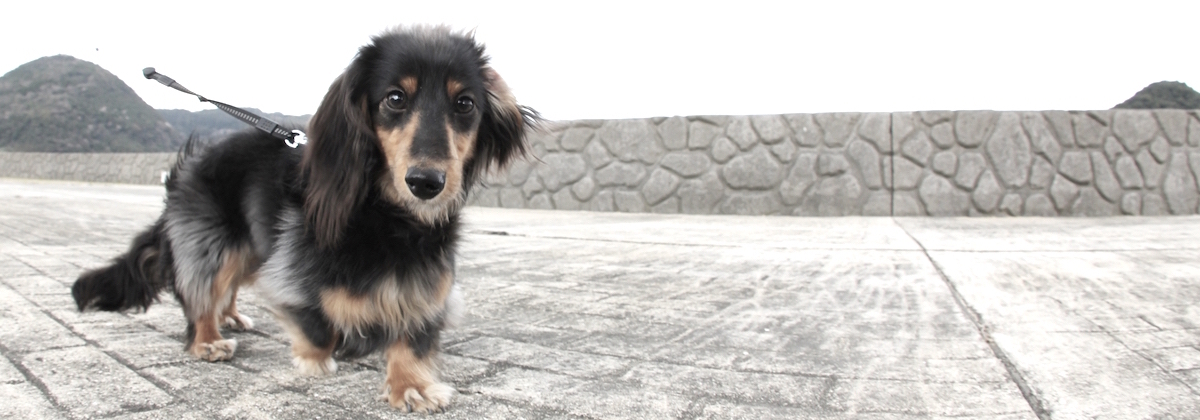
{"points": [[418, 117]]}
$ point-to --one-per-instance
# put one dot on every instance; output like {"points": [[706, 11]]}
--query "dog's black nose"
{"points": [[425, 183]]}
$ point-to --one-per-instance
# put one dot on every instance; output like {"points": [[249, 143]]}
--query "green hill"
{"points": [[63, 104], [1173, 95]]}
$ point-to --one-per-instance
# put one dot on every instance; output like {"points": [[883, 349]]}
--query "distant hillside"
{"points": [[214, 123], [63, 104], [1173, 95]]}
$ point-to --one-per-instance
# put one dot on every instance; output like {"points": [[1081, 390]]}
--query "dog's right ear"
{"points": [[339, 157]]}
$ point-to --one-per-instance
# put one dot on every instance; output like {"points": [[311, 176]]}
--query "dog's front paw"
{"points": [[432, 399], [215, 351], [311, 367], [239, 322]]}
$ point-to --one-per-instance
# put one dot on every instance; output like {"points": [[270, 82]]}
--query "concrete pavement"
{"points": [[605, 315]]}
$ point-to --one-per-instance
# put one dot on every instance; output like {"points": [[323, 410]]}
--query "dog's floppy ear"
{"points": [[339, 157], [502, 131]]}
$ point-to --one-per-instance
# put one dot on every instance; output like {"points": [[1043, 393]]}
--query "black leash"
{"points": [[292, 138]]}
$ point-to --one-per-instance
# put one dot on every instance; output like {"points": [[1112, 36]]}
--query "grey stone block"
{"points": [[631, 140], [700, 195], [1179, 187], [742, 134], [987, 193], [660, 185], [1039, 205], [829, 164], [1064, 192], [879, 203], [802, 175], [942, 135], [687, 164], [1173, 123], [596, 155], [1131, 204], [904, 203], [1040, 136], [804, 130], [584, 188], [1151, 170], [906, 174], [629, 202], [1194, 163], [918, 148], [972, 128], [1011, 204], [836, 196], [532, 185], [561, 169], [934, 117], [754, 170], [867, 160], [1106, 182], [1113, 148], [674, 133], [701, 134], [1042, 173], [603, 201], [751, 204], [1061, 123], [541, 202], [784, 151], [1153, 205], [668, 206], [1193, 132], [512, 198], [519, 171], [903, 124], [1134, 127], [1160, 149], [941, 198], [563, 200], [945, 163], [838, 127], [1008, 147], [770, 128], [1088, 131], [723, 149], [876, 128], [89, 383], [1091, 204], [1128, 173], [574, 139], [1076, 166], [970, 165], [621, 174]]}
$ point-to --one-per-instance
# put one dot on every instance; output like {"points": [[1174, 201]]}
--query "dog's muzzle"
{"points": [[425, 183]]}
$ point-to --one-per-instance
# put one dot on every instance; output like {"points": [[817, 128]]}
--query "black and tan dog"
{"points": [[350, 239]]}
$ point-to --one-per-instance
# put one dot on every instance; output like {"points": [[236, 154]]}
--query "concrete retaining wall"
{"points": [[937, 163], [941, 163], [124, 168]]}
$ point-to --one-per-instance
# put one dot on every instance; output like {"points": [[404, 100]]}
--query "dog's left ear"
{"points": [[505, 124]]}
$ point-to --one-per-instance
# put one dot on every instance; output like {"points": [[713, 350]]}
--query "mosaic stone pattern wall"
{"points": [[933, 163], [938, 163]]}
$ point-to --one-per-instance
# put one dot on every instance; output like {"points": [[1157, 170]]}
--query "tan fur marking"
{"points": [[395, 306], [396, 144], [409, 83], [238, 268], [412, 382], [306, 356], [454, 87]]}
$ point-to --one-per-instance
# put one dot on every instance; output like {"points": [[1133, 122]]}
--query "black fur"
{"points": [[326, 218]]}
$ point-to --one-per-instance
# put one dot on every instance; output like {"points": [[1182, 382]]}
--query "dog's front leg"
{"points": [[412, 376]]}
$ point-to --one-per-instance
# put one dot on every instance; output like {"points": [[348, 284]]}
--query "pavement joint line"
{"points": [[729, 245], [1035, 402], [32, 379]]}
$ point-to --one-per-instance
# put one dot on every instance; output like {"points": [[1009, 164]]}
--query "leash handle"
{"points": [[292, 138]]}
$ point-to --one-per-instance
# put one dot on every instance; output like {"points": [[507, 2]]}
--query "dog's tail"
{"points": [[134, 279]]}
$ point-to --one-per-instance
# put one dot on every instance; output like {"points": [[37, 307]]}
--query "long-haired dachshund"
{"points": [[350, 239]]}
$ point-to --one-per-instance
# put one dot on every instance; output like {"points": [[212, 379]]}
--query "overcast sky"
{"points": [[614, 59]]}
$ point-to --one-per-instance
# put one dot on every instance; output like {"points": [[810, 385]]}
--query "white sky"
{"points": [[617, 59]]}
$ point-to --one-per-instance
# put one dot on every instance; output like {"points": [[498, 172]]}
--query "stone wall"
{"points": [[124, 168], [936, 163], [940, 163]]}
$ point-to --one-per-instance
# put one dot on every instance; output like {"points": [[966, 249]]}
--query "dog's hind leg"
{"points": [[207, 313]]}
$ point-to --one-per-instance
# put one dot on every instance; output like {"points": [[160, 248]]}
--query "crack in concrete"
{"points": [[1035, 403]]}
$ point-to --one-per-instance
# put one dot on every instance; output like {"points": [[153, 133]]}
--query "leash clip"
{"points": [[297, 139]]}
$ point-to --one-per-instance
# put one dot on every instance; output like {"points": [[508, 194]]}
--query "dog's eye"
{"points": [[464, 105], [396, 99]]}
